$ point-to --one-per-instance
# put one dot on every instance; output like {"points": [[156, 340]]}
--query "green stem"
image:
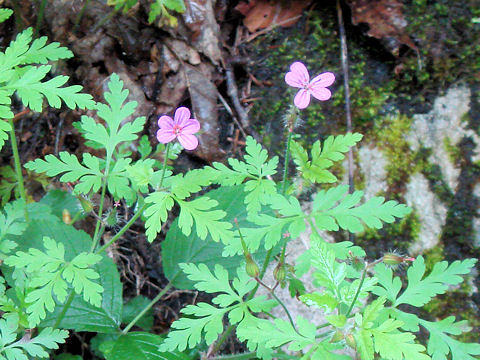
{"points": [[284, 308], [80, 15], [148, 307], [65, 308], [285, 164], [17, 14], [76, 217], [18, 166], [41, 10], [224, 337], [362, 279], [96, 235], [165, 159], [105, 19]]}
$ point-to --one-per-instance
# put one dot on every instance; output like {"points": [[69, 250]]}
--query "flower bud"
{"points": [[350, 340], [251, 267], [337, 336], [87, 205], [394, 259], [279, 273], [111, 219]]}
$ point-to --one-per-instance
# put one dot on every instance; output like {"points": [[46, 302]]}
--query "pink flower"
{"points": [[298, 77], [181, 127]]}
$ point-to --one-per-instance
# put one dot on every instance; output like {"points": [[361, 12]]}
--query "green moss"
{"points": [[402, 161], [448, 46], [433, 256], [453, 151]]}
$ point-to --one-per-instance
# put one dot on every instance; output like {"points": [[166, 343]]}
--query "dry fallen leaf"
{"points": [[260, 14], [386, 21]]}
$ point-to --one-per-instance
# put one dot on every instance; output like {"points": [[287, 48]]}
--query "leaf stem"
{"points": [[286, 161], [18, 166], [65, 308], [362, 279], [105, 19], [153, 302], [41, 11], [80, 15], [96, 235]]}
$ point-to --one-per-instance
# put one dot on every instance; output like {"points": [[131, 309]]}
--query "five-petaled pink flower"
{"points": [[181, 127], [298, 77]]}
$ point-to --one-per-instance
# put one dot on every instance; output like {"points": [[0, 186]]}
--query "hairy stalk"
{"points": [[286, 310], [96, 235], [65, 308], [41, 10], [362, 279], [153, 302], [18, 166], [285, 164], [123, 229]]}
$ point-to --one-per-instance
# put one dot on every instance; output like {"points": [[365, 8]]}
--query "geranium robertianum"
{"points": [[181, 127], [298, 77]]}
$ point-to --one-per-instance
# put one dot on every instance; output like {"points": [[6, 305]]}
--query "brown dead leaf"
{"points": [[199, 18], [386, 21], [261, 14], [204, 96]]}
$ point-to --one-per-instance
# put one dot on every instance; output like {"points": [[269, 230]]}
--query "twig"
{"points": [[344, 55], [233, 93], [57, 135], [229, 110]]}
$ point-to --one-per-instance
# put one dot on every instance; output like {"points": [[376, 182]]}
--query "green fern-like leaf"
{"points": [[47, 339], [256, 169], [207, 319], [12, 220], [440, 343], [88, 175], [114, 113], [157, 213], [333, 150], [17, 74], [347, 215], [207, 221], [384, 338], [49, 274], [5, 14], [421, 289]]}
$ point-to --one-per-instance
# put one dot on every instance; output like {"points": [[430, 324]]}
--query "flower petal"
{"points": [[302, 99], [323, 80], [189, 142], [190, 126], [165, 122], [321, 93], [298, 75], [181, 114], [165, 135]]}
